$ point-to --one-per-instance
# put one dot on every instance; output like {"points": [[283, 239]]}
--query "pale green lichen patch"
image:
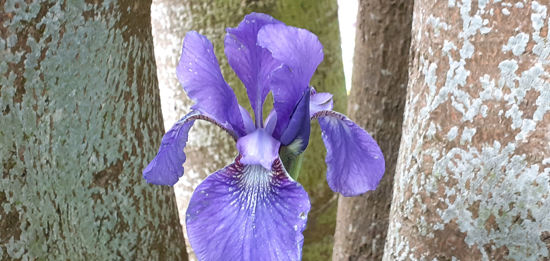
{"points": [[79, 123], [476, 137], [506, 187]]}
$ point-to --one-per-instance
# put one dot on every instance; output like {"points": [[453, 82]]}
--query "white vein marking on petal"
{"points": [[254, 183]]}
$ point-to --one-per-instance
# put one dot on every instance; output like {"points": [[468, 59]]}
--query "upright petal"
{"points": [[301, 52], [355, 163], [200, 76], [251, 63], [295, 137], [299, 124], [167, 166], [248, 213], [285, 97], [297, 48]]}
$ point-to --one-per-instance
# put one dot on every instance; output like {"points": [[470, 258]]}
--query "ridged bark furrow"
{"points": [[376, 102]]}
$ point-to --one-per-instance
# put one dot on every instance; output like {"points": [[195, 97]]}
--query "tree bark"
{"points": [[80, 120], [473, 173], [376, 103], [210, 149]]}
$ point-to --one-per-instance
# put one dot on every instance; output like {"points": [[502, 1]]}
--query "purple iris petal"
{"points": [[285, 97], [297, 48], [247, 121], [258, 147], [246, 212], [167, 166], [355, 163], [299, 125], [301, 52], [320, 102], [251, 62], [271, 122], [200, 76]]}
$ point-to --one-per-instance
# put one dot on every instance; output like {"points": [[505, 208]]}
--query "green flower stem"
{"points": [[292, 161]]}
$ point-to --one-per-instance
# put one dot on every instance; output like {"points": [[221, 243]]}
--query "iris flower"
{"points": [[253, 209]]}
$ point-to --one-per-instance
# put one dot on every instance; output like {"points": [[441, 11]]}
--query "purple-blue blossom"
{"points": [[253, 209]]}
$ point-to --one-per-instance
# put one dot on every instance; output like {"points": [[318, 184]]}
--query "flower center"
{"points": [[258, 147]]}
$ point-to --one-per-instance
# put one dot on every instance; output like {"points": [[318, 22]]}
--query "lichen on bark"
{"points": [[473, 175], [80, 119]]}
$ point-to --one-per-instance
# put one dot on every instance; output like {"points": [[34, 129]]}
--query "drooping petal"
{"points": [[299, 124], [251, 63], [200, 76], [248, 213], [167, 166], [355, 163], [258, 147], [321, 101], [301, 52]]}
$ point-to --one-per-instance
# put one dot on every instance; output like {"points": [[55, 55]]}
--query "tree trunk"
{"points": [[80, 119], [210, 149], [376, 102], [473, 173]]}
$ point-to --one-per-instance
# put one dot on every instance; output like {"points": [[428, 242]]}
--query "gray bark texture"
{"points": [[80, 118], [376, 103], [209, 148], [473, 173]]}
